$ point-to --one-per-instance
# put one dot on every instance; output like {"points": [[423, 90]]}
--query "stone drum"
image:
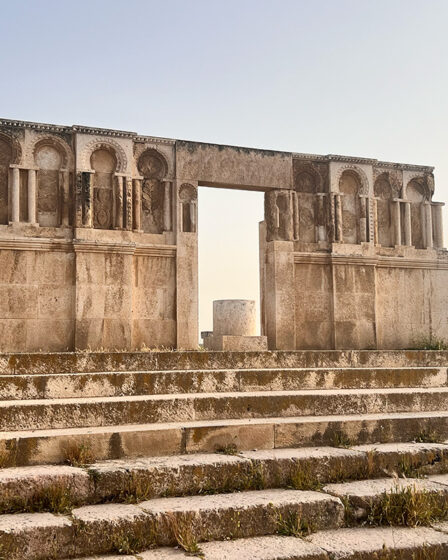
{"points": [[235, 317]]}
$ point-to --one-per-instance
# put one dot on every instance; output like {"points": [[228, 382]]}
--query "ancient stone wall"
{"points": [[98, 243]]}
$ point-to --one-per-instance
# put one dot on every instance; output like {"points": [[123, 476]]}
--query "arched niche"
{"points": [[49, 160], [6, 157], [383, 194], [188, 196], [306, 186], [104, 162], [349, 187], [415, 194], [152, 166]]}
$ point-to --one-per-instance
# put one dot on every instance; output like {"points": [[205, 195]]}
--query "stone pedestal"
{"points": [[234, 327]]}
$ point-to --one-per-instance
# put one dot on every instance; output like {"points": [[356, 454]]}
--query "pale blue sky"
{"points": [[364, 78]]}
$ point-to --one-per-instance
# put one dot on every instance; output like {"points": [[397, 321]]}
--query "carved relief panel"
{"points": [[415, 193], [306, 187], [49, 161], [5, 161], [385, 227], [153, 168], [104, 163], [349, 187]]}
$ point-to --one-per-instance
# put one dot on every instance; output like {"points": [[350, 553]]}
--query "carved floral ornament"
{"points": [[152, 165], [105, 144], [15, 147], [187, 192], [357, 172]]}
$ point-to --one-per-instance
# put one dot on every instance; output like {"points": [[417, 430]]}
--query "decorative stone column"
{"points": [[129, 212], [32, 219], [397, 222], [320, 228], [375, 221], [438, 224], [65, 198], [338, 212], [296, 215], [167, 220], [119, 183], [87, 198], [407, 223], [363, 218], [137, 207], [15, 195], [428, 226]]}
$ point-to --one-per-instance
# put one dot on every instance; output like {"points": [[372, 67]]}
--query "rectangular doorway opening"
{"points": [[228, 248]]}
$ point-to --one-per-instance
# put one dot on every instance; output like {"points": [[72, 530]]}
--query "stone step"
{"points": [[115, 528], [86, 362], [366, 496], [108, 411], [376, 543], [21, 488], [34, 447], [110, 384]]}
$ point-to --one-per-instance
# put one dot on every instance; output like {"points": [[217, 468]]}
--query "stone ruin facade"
{"points": [[98, 243]]}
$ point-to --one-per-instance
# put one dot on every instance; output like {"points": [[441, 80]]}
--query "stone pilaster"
{"points": [[407, 224], [397, 222], [32, 218], [15, 195], [438, 224], [65, 198], [167, 203], [119, 202], [338, 215], [137, 206], [129, 212], [428, 226]]}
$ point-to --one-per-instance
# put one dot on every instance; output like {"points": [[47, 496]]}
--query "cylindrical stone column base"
{"points": [[234, 317]]}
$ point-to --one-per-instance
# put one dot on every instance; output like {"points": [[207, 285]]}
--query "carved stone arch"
{"points": [[152, 164], [16, 148], [422, 182], [188, 193], [106, 144], [358, 173], [301, 175], [60, 145]]}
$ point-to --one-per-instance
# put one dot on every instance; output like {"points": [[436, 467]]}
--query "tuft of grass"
{"points": [[407, 507], [303, 478], [292, 525], [141, 538], [425, 436], [181, 528], [229, 449], [79, 454], [136, 490], [53, 499], [340, 439], [430, 343]]}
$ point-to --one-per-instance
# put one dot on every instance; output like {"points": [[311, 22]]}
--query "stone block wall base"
{"points": [[236, 343]]}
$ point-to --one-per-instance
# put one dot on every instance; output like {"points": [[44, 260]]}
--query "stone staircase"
{"points": [[270, 455]]}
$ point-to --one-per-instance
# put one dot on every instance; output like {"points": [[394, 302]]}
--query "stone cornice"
{"points": [[363, 161], [95, 131], [378, 261], [84, 246], [36, 244]]}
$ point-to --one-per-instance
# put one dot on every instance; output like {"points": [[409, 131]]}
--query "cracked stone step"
{"points": [[102, 529], [109, 384], [108, 411], [34, 447], [87, 362], [362, 495], [374, 543], [303, 468], [348, 544]]}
